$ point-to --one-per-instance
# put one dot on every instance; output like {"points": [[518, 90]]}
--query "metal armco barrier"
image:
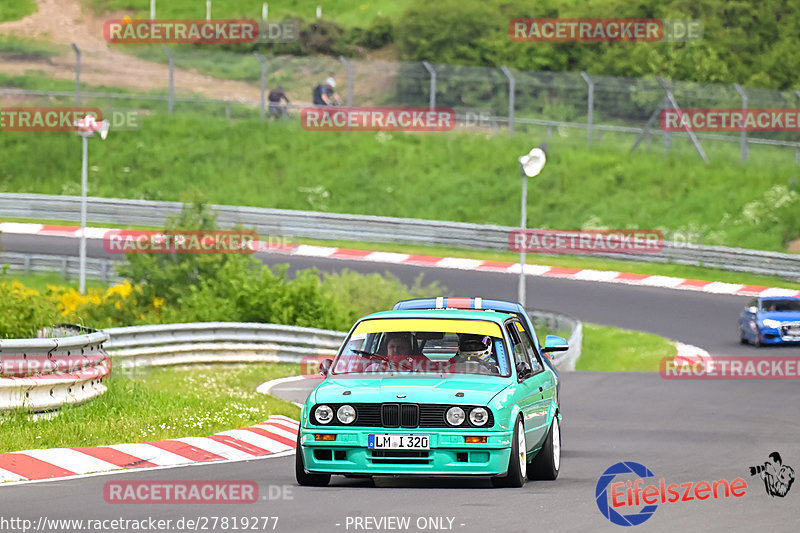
{"points": [[556, 322], [336, 226], [139, 347], [44, 374], [67, 266], [217, 342]]}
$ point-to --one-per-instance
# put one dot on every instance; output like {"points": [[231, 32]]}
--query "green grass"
{"points": [[168, 403], [40, 281], [609, 349], [16, 9], [16, 48], [444, 176], [346, 12]]}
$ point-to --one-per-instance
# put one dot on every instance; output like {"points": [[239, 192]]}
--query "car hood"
{"points": [[782, 316], [416, 389]]}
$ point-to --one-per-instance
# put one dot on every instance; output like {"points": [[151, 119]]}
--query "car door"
{"points": [[541, 377], [528, 395]]}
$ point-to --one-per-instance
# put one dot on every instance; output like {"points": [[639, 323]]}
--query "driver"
{"points": [[398, 344], [476, 348]]}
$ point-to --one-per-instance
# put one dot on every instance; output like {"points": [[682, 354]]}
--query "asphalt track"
{"points": [[684, 431]]}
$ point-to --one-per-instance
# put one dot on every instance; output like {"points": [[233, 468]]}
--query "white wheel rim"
{"points": [[521, 448], [556, 445]]}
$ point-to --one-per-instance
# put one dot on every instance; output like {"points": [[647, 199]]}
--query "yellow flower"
{"points": [[123, 289], [158, 302]]}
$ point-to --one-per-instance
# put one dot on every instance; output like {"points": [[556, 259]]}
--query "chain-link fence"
{"points": [[217, 82]]}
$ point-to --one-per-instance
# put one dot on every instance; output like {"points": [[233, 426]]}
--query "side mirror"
{"points": [[554, 343], [325, 366], [523, 370]]}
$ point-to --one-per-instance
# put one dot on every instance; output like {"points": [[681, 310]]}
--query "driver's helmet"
{"points": [[475, 347]]}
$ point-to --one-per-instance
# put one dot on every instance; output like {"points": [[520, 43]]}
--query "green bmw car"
{"points": [[434, 393]]}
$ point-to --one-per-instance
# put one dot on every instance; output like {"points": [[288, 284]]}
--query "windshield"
{"points": [[399, 347], [780, 305]]}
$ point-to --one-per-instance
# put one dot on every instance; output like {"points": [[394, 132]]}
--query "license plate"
{"points": [[399, 442]]}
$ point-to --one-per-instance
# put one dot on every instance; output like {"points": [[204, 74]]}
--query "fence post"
{"points": [[349, 68], [743, 148], [263, 61], [511, 90], [692, 136], [589, 107], [171, 103], [77, 74], [264, 11], [152, 9], [208, 9], [432, 72]]}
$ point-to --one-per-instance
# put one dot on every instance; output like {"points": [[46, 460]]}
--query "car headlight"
{"points": [[323, 414], [479, 416], [768, 322], [346, 414], [455, 416]]}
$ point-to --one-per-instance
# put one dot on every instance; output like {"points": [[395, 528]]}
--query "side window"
{"points": [[520, 354], [527, 343]]}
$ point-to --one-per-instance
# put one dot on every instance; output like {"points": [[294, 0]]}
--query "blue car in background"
{"points": [[770, 320]]}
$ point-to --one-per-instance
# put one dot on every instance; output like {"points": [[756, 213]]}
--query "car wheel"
{"points": [[517, 462], [303, 477], [742, 337], [547, 462], [757, 339]]}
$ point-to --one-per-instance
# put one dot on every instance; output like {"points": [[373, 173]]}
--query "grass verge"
{"points": [[166, 403], [16, 9], [609, 349], [439, 176]]}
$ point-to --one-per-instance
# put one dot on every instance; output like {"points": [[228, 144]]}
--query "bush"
{"points": [[24, 311]]}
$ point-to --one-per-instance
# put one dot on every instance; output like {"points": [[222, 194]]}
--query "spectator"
{"points": [[276, 110], [324, 94]]}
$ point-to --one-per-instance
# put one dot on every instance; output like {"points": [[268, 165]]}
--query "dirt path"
{"points": [[62, 22]]}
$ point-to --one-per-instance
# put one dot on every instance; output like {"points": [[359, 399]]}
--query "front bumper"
{"points": [[449, 454], [776, 336]]}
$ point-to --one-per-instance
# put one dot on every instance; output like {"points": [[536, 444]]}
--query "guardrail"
{"points": [[337, 226], [555, 322], [67, 266], [136, 347], [47, 373]]}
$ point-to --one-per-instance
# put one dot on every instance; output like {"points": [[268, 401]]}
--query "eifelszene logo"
{"points": [[778, 477], [632, 492]]}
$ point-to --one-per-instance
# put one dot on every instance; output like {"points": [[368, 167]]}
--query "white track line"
{"points": [[71, 460]]}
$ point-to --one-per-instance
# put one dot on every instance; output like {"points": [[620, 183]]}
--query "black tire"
{"points": [[303, 477], [547, 462], [516, 474], [757, 339], [742, 338]]}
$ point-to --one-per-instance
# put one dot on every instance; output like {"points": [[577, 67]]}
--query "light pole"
{"points": [[86, 127], [530, 165]]}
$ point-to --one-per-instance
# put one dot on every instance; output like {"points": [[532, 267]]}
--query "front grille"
{"points": [[409, 415], [397, 415], [390, 415], [400, 457]]}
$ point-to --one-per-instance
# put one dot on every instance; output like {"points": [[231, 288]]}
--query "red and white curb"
{"points": [[305, 250], [691, 355], [278, 434]]}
